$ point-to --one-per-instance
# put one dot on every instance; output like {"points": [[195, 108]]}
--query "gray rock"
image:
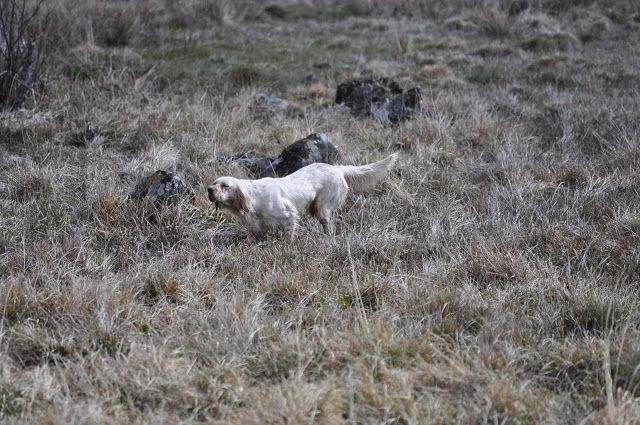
{"points": [[316, 147], [266, 105], [272, 102], [383, 99], [161, 187]]}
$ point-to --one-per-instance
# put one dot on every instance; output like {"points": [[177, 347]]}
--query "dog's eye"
{"points": [[224, 185]]}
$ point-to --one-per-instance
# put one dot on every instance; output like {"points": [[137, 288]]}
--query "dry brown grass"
{"points": [[493, 279]]}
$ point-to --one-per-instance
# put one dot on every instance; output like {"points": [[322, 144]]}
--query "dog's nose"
{"points": [[211, 196]]}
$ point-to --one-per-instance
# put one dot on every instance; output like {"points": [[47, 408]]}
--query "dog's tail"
{"points": [[365, 177]]}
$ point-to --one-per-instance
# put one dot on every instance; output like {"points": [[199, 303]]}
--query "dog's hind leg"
{"points": [[317, 210], [326, 204], [326, 217]]}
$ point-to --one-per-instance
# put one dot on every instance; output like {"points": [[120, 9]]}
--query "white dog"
{"points": [[277, 203]]}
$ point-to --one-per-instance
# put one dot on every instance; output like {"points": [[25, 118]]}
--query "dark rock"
{"points": [[517, 7], [161, 187], [310, 78], [360, 95], [399, 108], [382, 98], [276, 11], [316, 147], [257, 166]]}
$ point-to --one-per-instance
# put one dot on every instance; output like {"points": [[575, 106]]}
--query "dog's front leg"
{"points": [[293, 230], [337, 219], [256, 227], [291, 221]]}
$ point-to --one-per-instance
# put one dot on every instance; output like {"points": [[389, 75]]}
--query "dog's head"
{"points": [[227, 193]]}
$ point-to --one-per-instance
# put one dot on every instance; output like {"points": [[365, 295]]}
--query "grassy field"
{"points": [[495, 277]]}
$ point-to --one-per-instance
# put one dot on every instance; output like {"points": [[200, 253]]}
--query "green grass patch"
{"points": [[620, 78], [543, 43], [484, 74], [194, 52], [12, 400]]}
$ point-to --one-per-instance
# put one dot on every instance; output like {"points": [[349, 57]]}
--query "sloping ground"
{"points": [[494, 278]]}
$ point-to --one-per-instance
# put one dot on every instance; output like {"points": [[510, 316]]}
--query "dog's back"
{"points": [[358, 177]]}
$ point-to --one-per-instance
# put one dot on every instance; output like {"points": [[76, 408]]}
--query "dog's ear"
{"points": [[241, 200]]}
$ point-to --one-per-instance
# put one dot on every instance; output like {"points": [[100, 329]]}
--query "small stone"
{"points": [[267, 105], [272, 102]]}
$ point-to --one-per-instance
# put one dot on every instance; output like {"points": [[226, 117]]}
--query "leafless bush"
{"points": [[115, 25], [21, 51]]}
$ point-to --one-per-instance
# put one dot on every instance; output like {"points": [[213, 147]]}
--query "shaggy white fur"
{"points": [[277, 203]]}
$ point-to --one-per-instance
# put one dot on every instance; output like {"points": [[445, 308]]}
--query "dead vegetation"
{"points": [[23, 28], [494, 279]]}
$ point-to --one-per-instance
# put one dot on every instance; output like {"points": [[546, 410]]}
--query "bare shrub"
{"points": [[486, 268], [184, 14], [21, 51], [245, 75], [115, 25], [494, 23]]}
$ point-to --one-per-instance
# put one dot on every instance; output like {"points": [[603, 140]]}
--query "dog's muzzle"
{"points": [[212, 196]]}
